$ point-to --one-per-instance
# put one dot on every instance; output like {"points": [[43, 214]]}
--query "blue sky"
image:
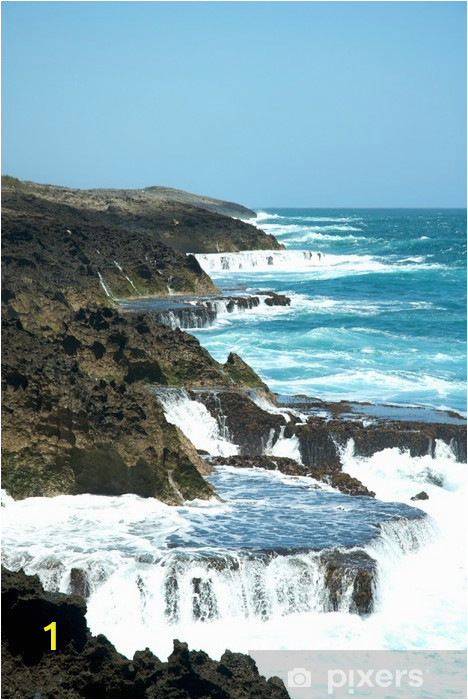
{"points": [[267, 103]]}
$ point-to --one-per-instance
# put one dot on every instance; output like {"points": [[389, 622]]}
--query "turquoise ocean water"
{"points": [[379, 315]]}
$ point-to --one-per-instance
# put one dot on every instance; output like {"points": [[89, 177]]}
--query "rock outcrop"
{"points": [[321, 441], [421, 496], [83, 666], [200, 311], [361, 569], [76, 414], [83, 256], [168, 194]]}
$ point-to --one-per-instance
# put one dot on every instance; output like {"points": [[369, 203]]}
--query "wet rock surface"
{"points": [[248, 425], [321, 441], [274, 299], [333, 477], [358, 567], [421, 496], [84, 666], [189, 312]]}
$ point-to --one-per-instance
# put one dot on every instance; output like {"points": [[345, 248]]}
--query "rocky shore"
{"points": [[320, 440], [84, 666], [78, 417], [81, 413], [200, 311]]}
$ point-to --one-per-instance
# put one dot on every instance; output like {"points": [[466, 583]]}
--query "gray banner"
{"points": [[367, 674]]}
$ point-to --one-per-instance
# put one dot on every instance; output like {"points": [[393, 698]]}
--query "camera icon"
{"points": [[299, 678]]}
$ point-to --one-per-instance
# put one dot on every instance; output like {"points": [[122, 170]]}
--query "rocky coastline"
{"points": [[77, 416], [81, 414]]}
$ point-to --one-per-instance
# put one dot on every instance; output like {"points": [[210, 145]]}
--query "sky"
{"points": [[272, 104]]}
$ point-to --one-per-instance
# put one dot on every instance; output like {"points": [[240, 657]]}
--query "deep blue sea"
{"points": [[377, 312]]}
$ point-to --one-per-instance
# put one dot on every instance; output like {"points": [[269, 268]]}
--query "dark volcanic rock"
{"points": [[76, 416], [355, 568], [201, 311], [66, 249], [248, 425], [273, 299], [66, 431], [321, 441], [281, 464], [421, 496], [84, 666]]}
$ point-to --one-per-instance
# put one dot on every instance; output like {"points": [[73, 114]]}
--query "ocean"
{"points": [[377, 314]]}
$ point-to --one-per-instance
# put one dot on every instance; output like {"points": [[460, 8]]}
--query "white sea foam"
{"points": [[245, 603], [386, 383], [428, 588], [365, 307], [319, 265], [264, 216]]}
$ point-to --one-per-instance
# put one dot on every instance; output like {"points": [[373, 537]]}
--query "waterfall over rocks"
{"points": [[196, 312]]}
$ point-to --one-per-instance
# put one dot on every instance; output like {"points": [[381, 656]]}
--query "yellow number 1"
{"points": [[53, 635]]}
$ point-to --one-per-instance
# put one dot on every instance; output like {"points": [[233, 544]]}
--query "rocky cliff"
{"points": [[76, 414], [171, 221]]}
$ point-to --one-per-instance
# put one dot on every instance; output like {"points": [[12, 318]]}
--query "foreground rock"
{"points": [[84, 666]]}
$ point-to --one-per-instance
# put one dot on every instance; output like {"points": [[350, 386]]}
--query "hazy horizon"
{"points": [[293, 105]]}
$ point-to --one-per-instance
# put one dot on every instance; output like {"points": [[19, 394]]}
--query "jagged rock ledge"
{"points": [[321, 438], [84, 666], [349, 578], [189, 312], [336, 478]]}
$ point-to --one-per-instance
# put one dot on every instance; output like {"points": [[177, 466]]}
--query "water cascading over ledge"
{"points": [[202, 312]]}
